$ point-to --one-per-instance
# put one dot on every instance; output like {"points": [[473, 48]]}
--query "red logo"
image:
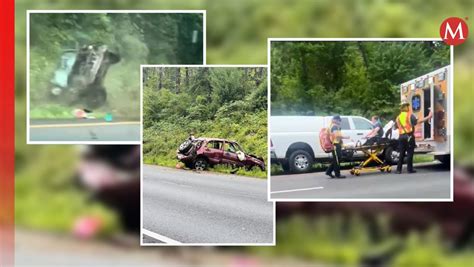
{"points": [[454, 31]]}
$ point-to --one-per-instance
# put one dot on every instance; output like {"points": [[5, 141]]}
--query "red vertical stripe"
{"points": [[7, 131]]}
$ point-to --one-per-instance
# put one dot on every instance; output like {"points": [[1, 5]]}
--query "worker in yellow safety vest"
{"points": [[406, 123]]}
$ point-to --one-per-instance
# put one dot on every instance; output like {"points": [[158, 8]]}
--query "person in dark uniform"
{"points": [[336, 139], [406, 123]]}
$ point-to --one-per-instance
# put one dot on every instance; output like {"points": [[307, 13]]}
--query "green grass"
{"points": [[169, 162], [341, 241], [46, 197], [52, 111], [423, 158]]}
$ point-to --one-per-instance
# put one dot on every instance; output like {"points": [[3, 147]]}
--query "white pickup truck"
{"points": [[295, 139]]}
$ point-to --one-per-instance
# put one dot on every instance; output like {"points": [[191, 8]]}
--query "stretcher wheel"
{"points": [[389, 169], [382, 169], [352, 171], [357, 172]]}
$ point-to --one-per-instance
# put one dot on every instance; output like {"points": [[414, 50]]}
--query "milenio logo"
{"points": [[454, 31]]}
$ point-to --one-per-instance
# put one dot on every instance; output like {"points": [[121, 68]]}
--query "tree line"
{"points": [[349, 78]]}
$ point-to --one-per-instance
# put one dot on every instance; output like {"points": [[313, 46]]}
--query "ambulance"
{"points": [[431, 91]]}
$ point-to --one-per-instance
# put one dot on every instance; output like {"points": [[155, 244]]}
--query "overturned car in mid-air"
{"points": [[201, 153], [79, 78]]}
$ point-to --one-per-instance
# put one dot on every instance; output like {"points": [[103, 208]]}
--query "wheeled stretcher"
{"points": [[371, 152]]}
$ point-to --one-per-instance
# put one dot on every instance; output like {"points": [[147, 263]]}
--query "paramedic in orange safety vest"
{"points": [[406, 123], [336, 139]]}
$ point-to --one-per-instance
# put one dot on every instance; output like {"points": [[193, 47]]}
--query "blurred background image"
{"points": [[48, 204]]}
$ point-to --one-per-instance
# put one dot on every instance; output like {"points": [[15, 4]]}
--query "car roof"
{"points": [[215, 139]]}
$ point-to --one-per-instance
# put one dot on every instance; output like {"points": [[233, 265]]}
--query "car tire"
{"points": [[300, 161], [391, 155], [200, 164], [185, 146]]}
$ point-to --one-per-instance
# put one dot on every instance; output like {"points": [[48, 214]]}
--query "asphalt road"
{"points": [[431, 181], [84, 130], [183, 206], [40, 248]]}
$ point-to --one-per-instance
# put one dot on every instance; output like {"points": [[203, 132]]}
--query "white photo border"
{"points": [[138, 142], [170, 241], [450, 110]]}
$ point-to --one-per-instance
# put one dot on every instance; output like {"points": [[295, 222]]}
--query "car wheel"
{"points": [[185, 146], [300, 161], [93, 97], [200, 164], [391, 155]]}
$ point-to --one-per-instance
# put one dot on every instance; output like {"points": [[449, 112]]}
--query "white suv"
{"points": [[295, 139]]}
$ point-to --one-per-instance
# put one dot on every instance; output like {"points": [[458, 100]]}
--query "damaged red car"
{"points": [[201, 153]]}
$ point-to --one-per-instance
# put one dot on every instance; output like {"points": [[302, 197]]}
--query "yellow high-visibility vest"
{"points": [[404, 123]]}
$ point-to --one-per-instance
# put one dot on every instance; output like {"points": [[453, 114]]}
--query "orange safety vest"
{"points": [[404, 124], [334, 137]]}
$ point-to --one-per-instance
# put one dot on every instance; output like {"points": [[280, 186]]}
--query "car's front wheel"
{"points": [[300, 161], [200, 164]]}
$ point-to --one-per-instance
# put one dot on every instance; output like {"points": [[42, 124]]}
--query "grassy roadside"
{"points": [[169, 162], [52, 111], [161, 139]]}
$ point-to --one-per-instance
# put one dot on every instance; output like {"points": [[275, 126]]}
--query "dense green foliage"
{"points": [[349, 78], [216, 102], [347, 241], [139, 38]]}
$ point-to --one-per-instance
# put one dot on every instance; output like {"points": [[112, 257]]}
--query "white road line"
{"points": [[159, 237], [295, 190]]}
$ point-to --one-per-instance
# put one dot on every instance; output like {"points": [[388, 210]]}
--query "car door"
{"points": [[213, 151], [362, 127], [230, 154]]}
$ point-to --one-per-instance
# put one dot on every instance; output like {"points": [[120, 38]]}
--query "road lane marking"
{"points": [[84, 124], [159, 237], [296, 190]]}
